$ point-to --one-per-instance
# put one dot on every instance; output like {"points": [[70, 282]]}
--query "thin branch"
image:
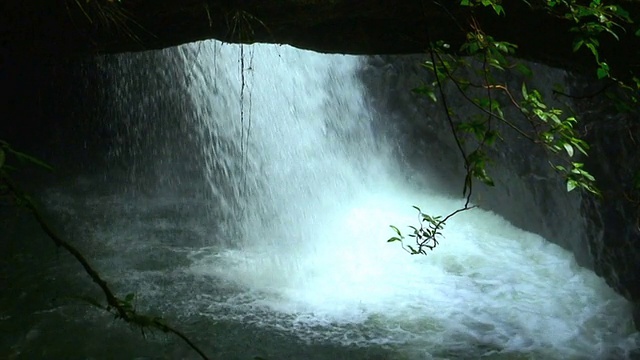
{"points": [[122, 311], [468, 183], [490, 113], [585, 96], [421, 240]]}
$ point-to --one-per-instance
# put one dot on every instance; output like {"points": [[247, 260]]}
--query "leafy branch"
{"points": [[426, 235], [549, 127]]}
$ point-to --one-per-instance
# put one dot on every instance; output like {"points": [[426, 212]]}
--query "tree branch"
{"points": [[122, 308]]}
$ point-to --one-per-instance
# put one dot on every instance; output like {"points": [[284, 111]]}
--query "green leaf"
{"points": [[568, 148], [129, 298], [577, 45], [603, 71], [594, 50], [587, 176], [31, 159], [394, 239], [498, 9], [424, 90], [524, 70], [571, 184], [481, 174], [491, 136]]}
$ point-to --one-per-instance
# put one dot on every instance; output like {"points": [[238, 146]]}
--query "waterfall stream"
{"points": [[280, 251]]}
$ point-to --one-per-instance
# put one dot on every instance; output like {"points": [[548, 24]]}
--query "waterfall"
{"points": [[317, 190], [277, 247], [280, 148]]}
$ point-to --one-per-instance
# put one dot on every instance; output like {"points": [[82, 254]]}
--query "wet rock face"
{"points": [[603, 234], [615, 162]]}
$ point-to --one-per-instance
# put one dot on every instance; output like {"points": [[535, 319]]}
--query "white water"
{"points": [[314, 193]]}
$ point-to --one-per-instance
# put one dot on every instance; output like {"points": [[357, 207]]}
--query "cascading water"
{"points": [[296, 155], [320, 192], [287, 256]]}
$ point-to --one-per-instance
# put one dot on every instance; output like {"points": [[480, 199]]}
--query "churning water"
{"points": [[285, 257]]}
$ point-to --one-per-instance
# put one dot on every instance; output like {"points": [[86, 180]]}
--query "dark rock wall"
{"points": [[45, 28], [614, 136], [48, 110]]}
